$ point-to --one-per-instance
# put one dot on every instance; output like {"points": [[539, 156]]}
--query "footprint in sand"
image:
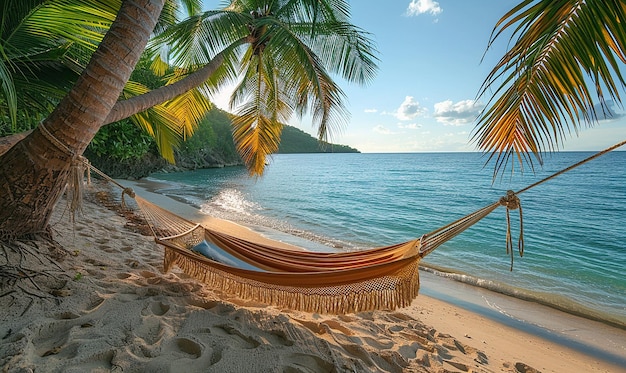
{"points": [[94, 303], [124, 275], [52, 339], [109, 249], [280, 338], [241, 340], [460, 366], [156, 308], [68, 315], [409, 351], [103, 241], [151, 331], [203, 303], [523, 368], [359, 352], [189, 347], [315, 327], [299, 363], [379, 344], [337, 326]]}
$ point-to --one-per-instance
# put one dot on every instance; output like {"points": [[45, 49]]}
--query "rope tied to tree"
{"points": [[79, 165], [512, 202], [125, 190]]}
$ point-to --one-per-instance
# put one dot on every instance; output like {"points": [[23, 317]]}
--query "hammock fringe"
{"points": [[388, 293]]}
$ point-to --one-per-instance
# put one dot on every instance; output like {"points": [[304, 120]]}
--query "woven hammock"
{"points": [[382, 278]]}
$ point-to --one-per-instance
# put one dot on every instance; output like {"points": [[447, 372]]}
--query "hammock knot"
{"points": [[130, 192], [511, 201]]}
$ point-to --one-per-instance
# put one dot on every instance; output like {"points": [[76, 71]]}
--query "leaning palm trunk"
{"points": [[126, 108], [34, 172]]}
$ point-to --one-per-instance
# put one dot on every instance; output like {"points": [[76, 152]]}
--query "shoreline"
{"points": [[577, 310], [194, 213], [107, 306], [594, 338]]}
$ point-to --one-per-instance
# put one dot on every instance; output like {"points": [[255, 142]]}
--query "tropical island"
{"points": [[124, 151]]}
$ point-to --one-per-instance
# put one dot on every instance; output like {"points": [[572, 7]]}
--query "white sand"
{"points": [[110, 308]]}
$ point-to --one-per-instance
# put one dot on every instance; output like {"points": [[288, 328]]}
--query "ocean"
{"points": [[574, 227]]}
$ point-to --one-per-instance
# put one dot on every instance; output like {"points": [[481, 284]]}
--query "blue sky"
{"points": [[423, 98]]}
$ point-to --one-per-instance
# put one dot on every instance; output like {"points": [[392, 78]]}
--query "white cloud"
{"points": [[417, 7], [382, 130], [371, 110], [409, 109], [457, 114], [411, 126]]}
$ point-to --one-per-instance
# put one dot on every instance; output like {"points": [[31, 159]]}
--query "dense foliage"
{"points": [[211, 144], [122, 150]]}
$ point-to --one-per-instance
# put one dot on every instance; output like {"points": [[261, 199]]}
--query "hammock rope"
{"points": [[342, 282], [512, 202]]}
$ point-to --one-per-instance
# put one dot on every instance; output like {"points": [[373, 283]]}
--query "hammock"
{"points": [[383, 278], [338, 283]]}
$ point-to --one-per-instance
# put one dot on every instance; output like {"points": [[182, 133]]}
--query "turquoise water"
{"points": [[574, 225]]}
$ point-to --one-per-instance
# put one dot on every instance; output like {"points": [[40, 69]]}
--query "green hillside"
{"points": [[122, 150], [294, 140]]}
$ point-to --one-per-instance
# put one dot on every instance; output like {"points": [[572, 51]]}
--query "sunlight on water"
{"points": [[231, 200]]}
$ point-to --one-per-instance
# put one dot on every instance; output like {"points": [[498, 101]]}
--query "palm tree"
{"points": [[566, 57], [34, 172], [47, 44], [281, 55]]}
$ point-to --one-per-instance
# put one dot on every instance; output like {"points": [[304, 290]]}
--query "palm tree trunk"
{"points": [[7, 142], [34, 173], [126, 108]]}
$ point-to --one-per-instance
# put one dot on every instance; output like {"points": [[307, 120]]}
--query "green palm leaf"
{"points": [[565, 58], [44, 46], [280, 55]]}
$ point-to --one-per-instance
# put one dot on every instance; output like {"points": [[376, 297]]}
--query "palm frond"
{"points": [[82, 22], [8, 91], [258, 124], [158, 122], [197, 39], [566, 57], [190, 107], [40, 46], [308, 83]]}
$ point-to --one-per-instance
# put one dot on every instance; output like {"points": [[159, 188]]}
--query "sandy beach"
{"points": [[108, 307]]}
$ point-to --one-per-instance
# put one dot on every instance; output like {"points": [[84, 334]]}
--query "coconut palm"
{"points": [[281, 55], [34, 172], [47, 44], [567, 56]]}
